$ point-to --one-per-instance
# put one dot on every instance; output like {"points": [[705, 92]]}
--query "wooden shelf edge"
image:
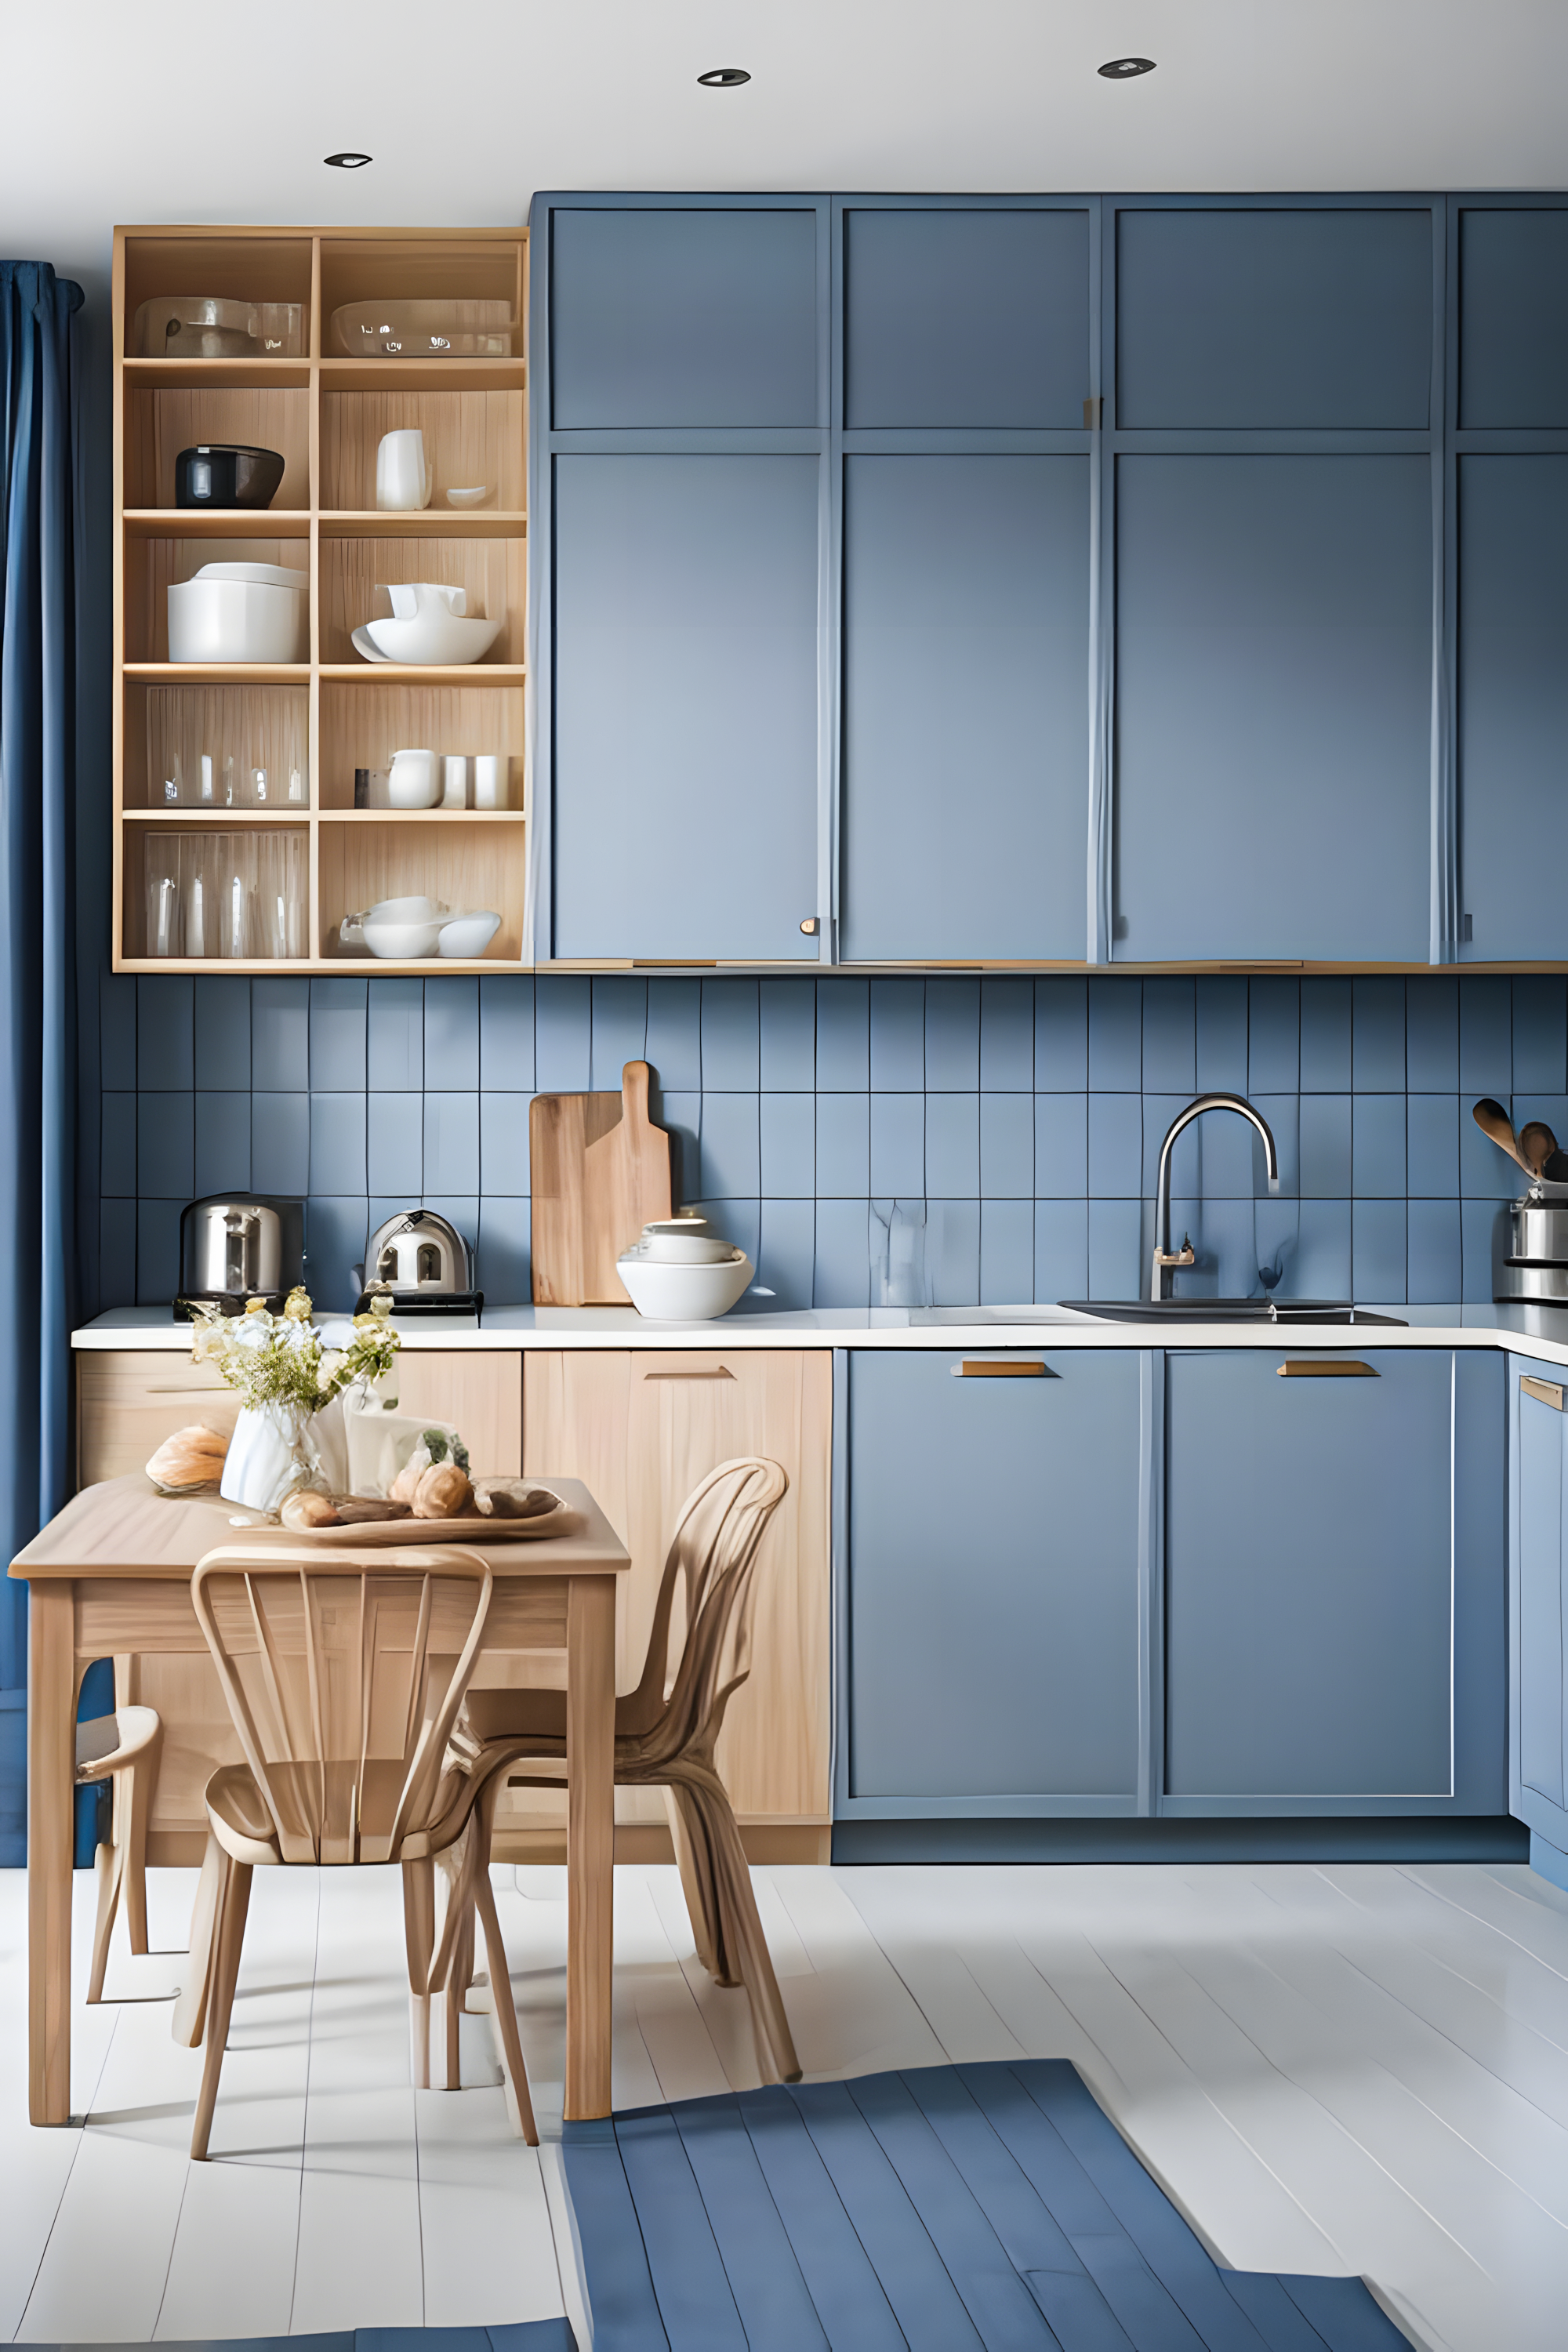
{"points": [[219, 673], [289, 812], [411, 674], [319, 967], [422, 817], [425, 522], [218, 522]]}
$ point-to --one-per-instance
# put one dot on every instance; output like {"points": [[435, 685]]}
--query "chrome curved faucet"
{"points": [[1186, 1255]]}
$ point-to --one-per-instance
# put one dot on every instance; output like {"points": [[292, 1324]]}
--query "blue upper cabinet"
{"points": [[966, 319], [1233, 320], [965, 709], [1513, 318], [684, 316], [1273, 707]]}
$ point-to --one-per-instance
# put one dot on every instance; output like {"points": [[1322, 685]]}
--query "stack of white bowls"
{"points": [[681, 1271]]}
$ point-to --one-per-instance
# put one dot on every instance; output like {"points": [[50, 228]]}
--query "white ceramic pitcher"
{"points": [[403, 481]]}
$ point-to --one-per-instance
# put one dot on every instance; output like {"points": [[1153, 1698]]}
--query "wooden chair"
{"points": [[668, 1742], [342, 1671], [121, 1746]]}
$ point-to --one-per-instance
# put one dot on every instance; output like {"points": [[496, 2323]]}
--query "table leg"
{"points": [[590, 1841], [51, 1771]]}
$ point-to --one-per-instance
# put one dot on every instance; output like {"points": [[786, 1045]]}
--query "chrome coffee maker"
{"points": [[235, 1250]]}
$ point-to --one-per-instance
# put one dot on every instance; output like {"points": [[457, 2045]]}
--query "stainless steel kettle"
{"points": [[1533, 1246], [419, 1255], [233, 1250]]}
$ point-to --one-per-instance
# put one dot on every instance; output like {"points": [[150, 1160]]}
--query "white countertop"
{"points": [[1537, 1330]]}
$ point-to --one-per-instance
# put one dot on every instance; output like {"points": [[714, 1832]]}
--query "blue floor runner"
{"points": [[526, 2336], [951, 2209]]}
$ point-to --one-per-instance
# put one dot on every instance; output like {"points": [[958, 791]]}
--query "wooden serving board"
{"points": [[473, 1528], [600, 1171]]}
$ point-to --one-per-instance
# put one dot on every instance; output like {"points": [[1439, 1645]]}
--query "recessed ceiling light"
{"points": [[349, 161], [724, 77], [1124, 68]]}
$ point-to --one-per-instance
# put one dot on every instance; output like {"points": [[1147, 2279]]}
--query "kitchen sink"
{"points": [[1228, 1310]]}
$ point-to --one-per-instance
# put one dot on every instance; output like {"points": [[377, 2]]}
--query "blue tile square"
{"points": [[1061, 1146], [1006, 1251], [1432, 1033], [1186, 1154], [338, 1144], [1283, 1115], [280, 1036], [1486, 1036], [280, 1144], [506, 1035], [117, 1030], [1486, 1172], [620, 1029], [730, 1036], [394, 1143], [953, 1145], [165, 1031], [902, 1228], [166, 1144], [1226, 1235], [157, 1251], [563, 1034], [680, 1115], [395, 1036], [117, 1255], [1432, 1148], [1007, 1036], [952, 1038], [1377, 1146], [1230, 1158], [787, 1126], [1116, 1268], [1061, 1036], [504, 1270], [223, 1033], [1377, 1035], [1115, 1147], [729, 1163], [843, 1037], [337, 1035], [953, 1251], [897, 1139], [1378, 1251], [1435, 1252], [786, 1012], [1277, 1232], [1483, 1237], [1325, 1147], [1273, 1035], [1170, 1037], [335, 1236], [898, 1037], [737, 1220], [1115, 1036], [675, 1033], [451, 1144], [117, 1145], [1540, 1032], [452, 1037], [843, 1146], [787, 1240], [1322, 1266], [842, 1265], [504, 1144], [1325, 1036], [1222, 1034], [1061, 1250], [1006, 1146]]}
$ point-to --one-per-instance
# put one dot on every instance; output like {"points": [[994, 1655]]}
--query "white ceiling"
{"points": [[201, 110]]}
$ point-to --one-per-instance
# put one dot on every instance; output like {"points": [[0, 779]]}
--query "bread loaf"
{"points": [[191, 1458], [443, 1493], [304, 1508]]}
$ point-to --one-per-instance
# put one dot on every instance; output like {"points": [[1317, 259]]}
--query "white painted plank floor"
{"points": [[1340, 2068]]}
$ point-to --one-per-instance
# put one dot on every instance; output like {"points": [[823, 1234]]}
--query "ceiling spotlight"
{"points": [[723, 77], [1124, 68], [349, 161]]}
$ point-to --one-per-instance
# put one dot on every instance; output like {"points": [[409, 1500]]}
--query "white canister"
{"points": [[240, 613], [454, 780], [411, 783], [489, 780], [403, 480]]}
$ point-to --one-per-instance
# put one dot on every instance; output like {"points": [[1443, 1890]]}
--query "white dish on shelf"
{"points": [[467, 935], [684, 1239], [365, 644], [403, 928], [470, 498], [664, 1293], [429, 625]]}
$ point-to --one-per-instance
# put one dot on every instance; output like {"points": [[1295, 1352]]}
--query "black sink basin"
{"points": [[1227, 1310]]}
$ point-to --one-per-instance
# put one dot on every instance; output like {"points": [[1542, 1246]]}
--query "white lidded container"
{"points": [[681, 1271], [240, 613]]}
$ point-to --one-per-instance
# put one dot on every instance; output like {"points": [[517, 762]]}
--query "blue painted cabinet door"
{"points": [[685, 695], [1273, 707], [1333, 1600], [993, 1586], [1513, 323], [1539, 1742], [965, 789]]}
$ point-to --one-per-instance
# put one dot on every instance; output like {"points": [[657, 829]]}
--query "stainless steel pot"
{"points": [[1533, 1259], [232, 1250], [419, 1253]]}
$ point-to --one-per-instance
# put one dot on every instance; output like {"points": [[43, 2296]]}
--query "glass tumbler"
{"points": [[162, 879]]}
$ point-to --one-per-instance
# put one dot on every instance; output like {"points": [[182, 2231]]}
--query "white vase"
{"points": [[270, 1454]]}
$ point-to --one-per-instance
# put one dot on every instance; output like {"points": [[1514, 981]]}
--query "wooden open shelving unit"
{"points": [[322, 718]]}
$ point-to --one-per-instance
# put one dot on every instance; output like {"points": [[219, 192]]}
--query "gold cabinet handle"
{"points": [[1327, 1368], [1544, 1392], [723, 1373], [986, 1367]]}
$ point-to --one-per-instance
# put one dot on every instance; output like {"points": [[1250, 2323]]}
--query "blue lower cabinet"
{"points": [[1537, 1767], [993, 1601], [1334, 1584]]}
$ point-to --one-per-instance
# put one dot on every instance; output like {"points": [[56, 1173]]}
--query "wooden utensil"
{"points": [[600, 1171], [1538, 1144], [1494, 1121]]}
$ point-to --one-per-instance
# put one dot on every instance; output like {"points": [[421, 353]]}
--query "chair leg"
{"points": [[451, 1971], [514, 2068], [131, 1832], [708, 1822], [419, 1937], [110, 1865], [191, 2007], [695, 1865], [233, 1901]]}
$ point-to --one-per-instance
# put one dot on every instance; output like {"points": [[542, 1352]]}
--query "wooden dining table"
{"points": [[109, 1577]]}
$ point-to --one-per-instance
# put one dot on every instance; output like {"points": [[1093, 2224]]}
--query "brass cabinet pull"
{"points": [[985, 1368], [1544, 1392], [1327, 1368], [723, 1373]]}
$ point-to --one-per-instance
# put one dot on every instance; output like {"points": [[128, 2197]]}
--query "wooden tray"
{"points": [[476, 1529]]}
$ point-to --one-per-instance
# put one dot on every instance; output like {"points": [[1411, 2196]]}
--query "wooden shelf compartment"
{"points": [[170, 728], [354, 574], [469, 437], [152, 565], [242, 265], [473, 864], [161, 420], [393, 265], [362, 729], [146, 847]]}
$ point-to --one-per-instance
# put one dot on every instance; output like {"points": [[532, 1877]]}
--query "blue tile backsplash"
{"points": [[1006, 1131]]}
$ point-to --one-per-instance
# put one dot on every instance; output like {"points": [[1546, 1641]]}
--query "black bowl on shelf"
{"points": [[227, 474]]}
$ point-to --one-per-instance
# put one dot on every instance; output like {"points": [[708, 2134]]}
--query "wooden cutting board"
{"points": [[600, 1171]]}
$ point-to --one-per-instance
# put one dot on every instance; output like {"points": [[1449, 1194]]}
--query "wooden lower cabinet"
{"points": [[641, 1429]]}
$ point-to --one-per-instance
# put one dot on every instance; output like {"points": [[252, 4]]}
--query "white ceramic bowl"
{"points": [[469, 935], [401, 928], [433, 636], [470, 498], [238, 613], [683, 1241], [683, 1294]]}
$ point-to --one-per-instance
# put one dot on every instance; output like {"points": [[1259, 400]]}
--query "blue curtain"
{"points": [[40, 519]]}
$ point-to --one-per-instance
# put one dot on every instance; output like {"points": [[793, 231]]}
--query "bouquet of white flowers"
{"points": [[280, 1368]]}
